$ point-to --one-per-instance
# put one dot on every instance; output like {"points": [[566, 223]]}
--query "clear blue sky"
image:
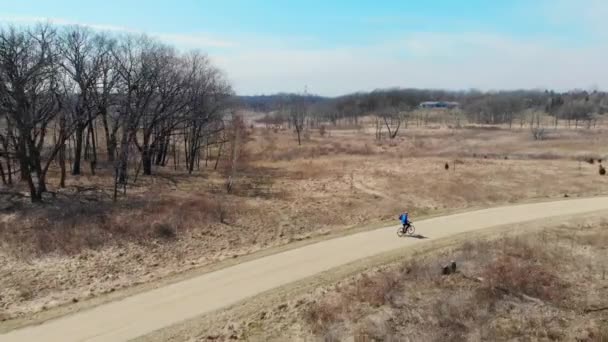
{"points": [[340, 46]]}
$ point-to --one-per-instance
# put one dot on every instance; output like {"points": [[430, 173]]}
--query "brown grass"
{"points": [[282, 193], [73, 226], [505, 289], [514, 275]]}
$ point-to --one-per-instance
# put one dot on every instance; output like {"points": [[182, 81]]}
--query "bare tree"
{"points": [[392, 118], [537, 127], [145, 92], [105, 95], [30, 97], [298, 113], [135, 64], [209, 94], [167, 103], [236, 133], [82, 56]]}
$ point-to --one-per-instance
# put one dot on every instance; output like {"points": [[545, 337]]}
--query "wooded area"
{"points": [[395, 107], [60, 87]]}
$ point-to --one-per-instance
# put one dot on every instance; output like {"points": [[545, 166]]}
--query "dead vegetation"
{"points": [[280, 192], [547, 285], [72, 227]]}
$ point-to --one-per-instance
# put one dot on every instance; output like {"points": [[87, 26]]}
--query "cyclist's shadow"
{"points": [[417, 236]]}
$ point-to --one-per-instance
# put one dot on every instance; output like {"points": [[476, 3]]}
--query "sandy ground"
{"points": [[146, 312]]}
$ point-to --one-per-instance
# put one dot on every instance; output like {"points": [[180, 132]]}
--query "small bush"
{"points": [[322, 315], [602, 170], [538, 133], [602, 335], [522, 277], [164, 231], [375, 290], [322, 130], [454, 314]]}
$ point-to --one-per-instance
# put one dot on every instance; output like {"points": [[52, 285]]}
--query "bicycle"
{"points": [[406, 230]]}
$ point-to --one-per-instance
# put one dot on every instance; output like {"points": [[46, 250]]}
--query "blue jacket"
{"points": [[403, 218]]}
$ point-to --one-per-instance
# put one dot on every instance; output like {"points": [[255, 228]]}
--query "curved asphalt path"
{"points": [[146, 312]]}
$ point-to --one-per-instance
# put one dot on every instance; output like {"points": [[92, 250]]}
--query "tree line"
{"points": [[393, 107], [61, 87]]}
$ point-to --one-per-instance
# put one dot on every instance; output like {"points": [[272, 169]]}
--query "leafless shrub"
{"points": [[73, 227], [538, 133], [375, 290], [525, 277], [374, 328], [454, 312], [220, 211], [602, 335], [164, 231], [322, 130], [325, 313]]}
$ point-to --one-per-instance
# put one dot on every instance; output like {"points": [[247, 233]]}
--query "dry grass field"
{"points": [[70, 250], [546, 285]]}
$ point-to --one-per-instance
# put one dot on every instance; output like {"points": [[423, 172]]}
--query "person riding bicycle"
{"points": [[405, 220]]}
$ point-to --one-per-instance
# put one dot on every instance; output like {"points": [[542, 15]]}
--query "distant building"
{"points": [[438, 104]]}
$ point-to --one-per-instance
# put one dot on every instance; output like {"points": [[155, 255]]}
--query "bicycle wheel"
{"points": [[411, 230], [400, 232]]}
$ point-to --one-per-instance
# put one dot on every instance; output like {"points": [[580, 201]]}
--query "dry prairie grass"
{"points": [[283, 193], [511, 288], [539, 286]]}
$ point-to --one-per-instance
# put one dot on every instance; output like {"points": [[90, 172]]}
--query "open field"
{"points": [[69, 251], [168, 308], [542, 281]]}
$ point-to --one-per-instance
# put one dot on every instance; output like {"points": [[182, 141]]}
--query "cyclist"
{"points": [[405, 220]]}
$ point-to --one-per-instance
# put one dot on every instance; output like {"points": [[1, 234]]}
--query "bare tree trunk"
{"points": [[206, 152], [298, 130], [25, 167], [175, 156], [62, 152], [87, 145], [556, 120], [110, 139], [219, 155], [147, 151], [165, 151], [123, 159], [78, 150], [93, 156], [69, 154], [62, 166], [9, 162], [2, 174], [146, 160], [186, 153], [198, 160], [234, 159], [137, 172]]}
